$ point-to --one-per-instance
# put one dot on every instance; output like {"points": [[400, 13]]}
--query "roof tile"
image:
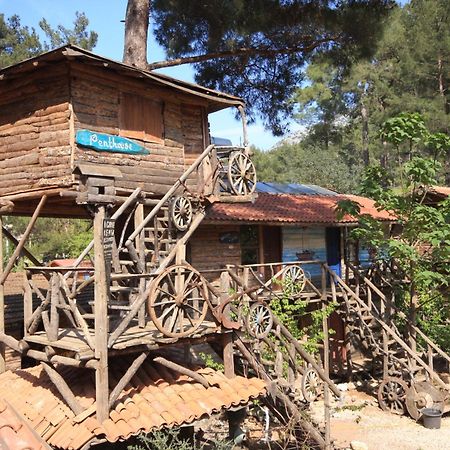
{"points": [[295, 209], [166, 399]]}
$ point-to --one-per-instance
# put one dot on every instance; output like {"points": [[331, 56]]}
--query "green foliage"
{"points": [[289, 309], [421, 248], [267, 43], [171, 440], [51, 238], [408, 73], [18, 42], [306, 163], [209, 362]]}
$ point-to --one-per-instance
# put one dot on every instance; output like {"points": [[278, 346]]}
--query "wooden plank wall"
{"points": [[96, 101], [207, 252], [34, 131]]}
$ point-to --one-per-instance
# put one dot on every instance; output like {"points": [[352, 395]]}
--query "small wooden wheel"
{"points": [[177, 301], [241, 174], [311, 385], [259, 320], [295, 275], [181, 213], [392, 395]]}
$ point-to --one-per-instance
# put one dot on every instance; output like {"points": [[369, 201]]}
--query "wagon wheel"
{"points": [[241, 174], [423, 395], [392, 395], [177, 301], [259, 320], [311, 385], [181, 213], [295, 275]]}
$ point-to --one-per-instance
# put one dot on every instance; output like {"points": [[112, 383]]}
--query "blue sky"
{"points": [[105, 18]]}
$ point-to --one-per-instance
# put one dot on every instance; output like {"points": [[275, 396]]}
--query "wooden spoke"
{"points": [[241, 174], [392, 395], [311, 385], [259, 320], [296, 276], [181, 213], [177, 301]]}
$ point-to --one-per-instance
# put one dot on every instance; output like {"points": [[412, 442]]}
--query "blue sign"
{"points": [[109, 143]]}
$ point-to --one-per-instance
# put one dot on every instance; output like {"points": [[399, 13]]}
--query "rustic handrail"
{"points": [[169, 194]]}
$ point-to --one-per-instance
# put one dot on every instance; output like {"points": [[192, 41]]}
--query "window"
{"points": [[249, 244], [141, 118]]}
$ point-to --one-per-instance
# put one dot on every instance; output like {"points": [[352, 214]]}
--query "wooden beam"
{"points": [[54, 303], [129, 374], [101, 319], [183, 370], [63, 388], [25, 251], [2, 304], [23, 240]]}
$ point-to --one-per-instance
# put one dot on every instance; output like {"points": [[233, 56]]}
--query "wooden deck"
{"points": [[73, 340]]}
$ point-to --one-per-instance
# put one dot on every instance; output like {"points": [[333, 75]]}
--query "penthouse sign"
{"points": [[103, 142]]}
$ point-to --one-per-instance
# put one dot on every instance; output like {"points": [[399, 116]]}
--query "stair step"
{"points": [[123, 289]]}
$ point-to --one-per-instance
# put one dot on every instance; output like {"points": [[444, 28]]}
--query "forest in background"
{"points": [[343, 108]]}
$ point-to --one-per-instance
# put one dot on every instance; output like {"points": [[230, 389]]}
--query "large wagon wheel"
{"points": [[177, 301], [241, 174], [311, 385], [392, 395], [259, 320], [423, 395], [181, 213], [296, 276]]}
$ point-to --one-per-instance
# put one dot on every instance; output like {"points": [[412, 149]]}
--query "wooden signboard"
{"points": [[108, 240], [109, 143]]}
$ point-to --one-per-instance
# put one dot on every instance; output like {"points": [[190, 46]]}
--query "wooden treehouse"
{"points": [[83, 136]]}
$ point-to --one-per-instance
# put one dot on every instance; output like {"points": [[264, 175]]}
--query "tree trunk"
{"points": [[442, 89], [365, 134], [136, 33]]}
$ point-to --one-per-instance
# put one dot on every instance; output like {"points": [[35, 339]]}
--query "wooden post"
{"points": [[138, 219], [227, 339], [54, 302], [2, 303], [326, 368], [101, 310], [15, 256]]}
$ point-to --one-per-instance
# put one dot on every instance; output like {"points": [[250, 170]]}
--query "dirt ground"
{"points": [[360, 419]]}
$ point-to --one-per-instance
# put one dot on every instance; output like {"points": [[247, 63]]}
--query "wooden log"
{"points": [[11, 342], [2, 304], [54, 303], [291, 407], [183, 370], [126, 378], [27, 253], [101, 321], [23, 240], [63, 388], [58, 359]]}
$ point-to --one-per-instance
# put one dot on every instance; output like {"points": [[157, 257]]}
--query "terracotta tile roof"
{"points": [[443, 191], [156, 397], [298, 209], [16, 433]]}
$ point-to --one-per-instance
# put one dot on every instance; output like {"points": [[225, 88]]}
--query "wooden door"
{"points": [[271, 247]]}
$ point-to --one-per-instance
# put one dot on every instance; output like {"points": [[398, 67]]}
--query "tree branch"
{"points": [[245, 51]]}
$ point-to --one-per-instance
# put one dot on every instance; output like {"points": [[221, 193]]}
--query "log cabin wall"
{"points": [[210, 248], [174, 130], [35, 148]]}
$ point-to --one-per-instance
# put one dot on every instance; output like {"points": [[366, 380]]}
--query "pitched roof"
{"points": [[217, 100], [155, 397], [443, 191], [16, 433], [293, 209]]}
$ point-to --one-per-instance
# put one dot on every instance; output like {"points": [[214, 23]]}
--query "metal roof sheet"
{"points": [[292, 188]]}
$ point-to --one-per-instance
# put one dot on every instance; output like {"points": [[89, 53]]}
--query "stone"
{"points": [[357, 445]]}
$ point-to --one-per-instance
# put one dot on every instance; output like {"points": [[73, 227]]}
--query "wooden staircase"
{"points": [[407, 363]]}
